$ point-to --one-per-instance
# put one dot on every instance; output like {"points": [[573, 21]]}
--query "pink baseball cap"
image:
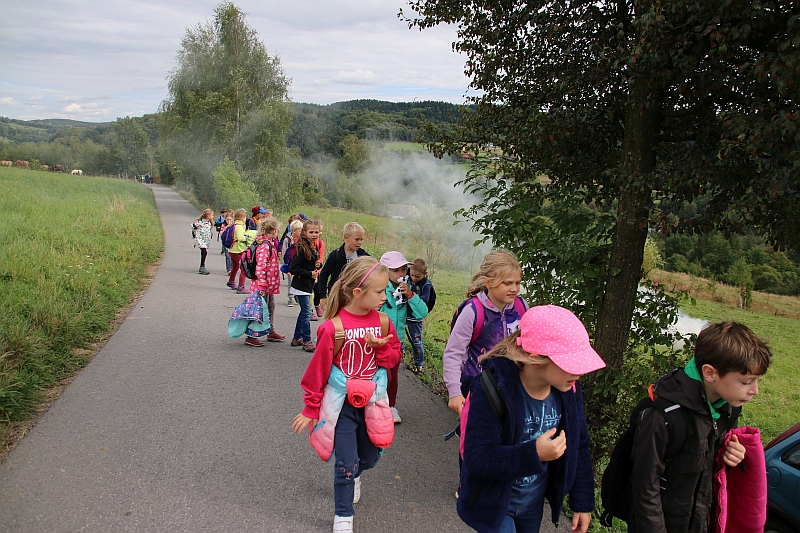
{"points": [[557, 333], [394, 260]]}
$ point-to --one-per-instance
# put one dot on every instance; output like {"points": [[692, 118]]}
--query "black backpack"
{"points": [[432, 298], [615, 489], [248, 261]]}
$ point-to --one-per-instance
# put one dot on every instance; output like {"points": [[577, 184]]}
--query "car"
{"points": [[783, 482]]}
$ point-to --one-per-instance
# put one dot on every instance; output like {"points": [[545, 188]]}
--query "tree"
{"points": [[228, 98], [131, 145], [636, 107]]}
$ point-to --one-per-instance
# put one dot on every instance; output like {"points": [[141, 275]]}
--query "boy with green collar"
{"points": [[675, 494]]}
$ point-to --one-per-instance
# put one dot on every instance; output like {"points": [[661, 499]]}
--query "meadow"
{"points": [[76, 250]]}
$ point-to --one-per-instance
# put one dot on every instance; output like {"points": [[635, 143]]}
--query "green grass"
{"points": [[75, 250], [404, 147], [777, 405]]}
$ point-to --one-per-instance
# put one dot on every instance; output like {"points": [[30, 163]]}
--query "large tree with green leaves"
{"points": [[613, 115], [229, 98]]}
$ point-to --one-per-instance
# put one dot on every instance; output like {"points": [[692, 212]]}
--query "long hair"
{"points": [[206, 215], [308, 250], [268, 225], [496, 266], [342, 291], [240, 214], [509, 349]]}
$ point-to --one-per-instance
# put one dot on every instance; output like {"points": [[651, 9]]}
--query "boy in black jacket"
{"points": [[339, 258], [675, 494], [421, 285]]}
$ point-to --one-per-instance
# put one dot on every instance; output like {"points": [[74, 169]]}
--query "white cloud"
{"points": [[357, 77], [85, 58]]}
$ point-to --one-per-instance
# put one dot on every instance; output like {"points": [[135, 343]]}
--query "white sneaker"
{"points": [[357, 490], [396, 416], [342, 524], [289, 302]]}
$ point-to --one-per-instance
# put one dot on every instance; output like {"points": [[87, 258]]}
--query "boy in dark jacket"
{"points": [[675, 494], [421, 285], [339, 258]]}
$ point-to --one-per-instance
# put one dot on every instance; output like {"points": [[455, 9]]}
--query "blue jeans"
{"points": [[302, 329], [228, 263], [415, 337], [354, 453], [527, 516]]}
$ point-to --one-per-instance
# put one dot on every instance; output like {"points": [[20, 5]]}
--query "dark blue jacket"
{"points": [[423, 289], [332, 269], [494, 456]]}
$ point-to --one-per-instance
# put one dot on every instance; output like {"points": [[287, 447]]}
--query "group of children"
{"points": [[513, 376]]}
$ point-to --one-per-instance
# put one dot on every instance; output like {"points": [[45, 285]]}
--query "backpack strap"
{"points": [[677, 424], [479, 317], [519, 306], [338, 330], [492, 392]]}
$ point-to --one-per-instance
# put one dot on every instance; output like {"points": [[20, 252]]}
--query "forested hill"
{"points": [[37, 130], [320, 128]]}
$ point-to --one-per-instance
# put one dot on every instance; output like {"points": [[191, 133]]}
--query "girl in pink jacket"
{"points": [[355, 346]]}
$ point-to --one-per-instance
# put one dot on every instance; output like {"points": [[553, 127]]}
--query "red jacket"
{"points": [[741, 491], [355, 359]]}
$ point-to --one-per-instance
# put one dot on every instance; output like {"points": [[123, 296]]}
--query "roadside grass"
{"points": [[75, 250]]}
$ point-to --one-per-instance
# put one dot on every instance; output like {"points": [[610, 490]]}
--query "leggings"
{"points": [[235, 258], [203, 254]]}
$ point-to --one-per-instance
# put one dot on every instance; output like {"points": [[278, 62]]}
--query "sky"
{"points": [[94, 60]]}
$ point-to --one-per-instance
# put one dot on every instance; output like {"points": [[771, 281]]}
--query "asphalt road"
{"points": [[175, 427]]}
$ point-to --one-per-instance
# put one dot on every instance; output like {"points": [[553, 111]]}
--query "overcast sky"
{"points": [[96, 60]]}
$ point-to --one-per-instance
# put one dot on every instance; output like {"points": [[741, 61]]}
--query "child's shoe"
{"points": [[240, 290], [356, 490], [342, 524], [252, 341], [231, 284], [274, 336], [314, 316], [289, 302], [396, 416], [319, 311], [308, 346], [417, 369], [296, 342], [204, 271]]}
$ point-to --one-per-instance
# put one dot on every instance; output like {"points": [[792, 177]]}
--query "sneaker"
{"points": [[204, 271], [458, 489], [319, 311], [274, 336], [416, 369], [296, 342], [308, 346], [289, 302], [342, 524], [240, 290], [357, 490], [231, 284], [396, 415], [252, 341], [314, 316]]}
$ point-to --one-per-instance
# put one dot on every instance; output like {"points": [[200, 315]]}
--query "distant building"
{"points": [[401, 211]]}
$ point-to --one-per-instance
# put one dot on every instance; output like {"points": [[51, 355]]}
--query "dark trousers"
{"points": [[203, 254], [354, 453]]}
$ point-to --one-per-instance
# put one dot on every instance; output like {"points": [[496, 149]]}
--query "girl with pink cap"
{"points": [[541, 448]]}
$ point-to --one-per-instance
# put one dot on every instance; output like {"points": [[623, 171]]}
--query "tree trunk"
{"points": [[630, 234]]}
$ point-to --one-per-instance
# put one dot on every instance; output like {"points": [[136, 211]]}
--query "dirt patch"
{"points": [[12, 433]]}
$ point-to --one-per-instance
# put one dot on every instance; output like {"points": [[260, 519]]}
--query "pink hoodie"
{"points": [[741, 491]]}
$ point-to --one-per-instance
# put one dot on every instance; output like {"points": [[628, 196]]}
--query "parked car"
{"points": [[783, 482]]}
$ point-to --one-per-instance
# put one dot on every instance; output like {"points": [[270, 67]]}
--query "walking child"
{"points": [[344, 387], [674, 493], [316, 309], [202, 239], [541, 449], [268, 274], [495, 288], [288, 246], [237, 247], [421, 285], [339, 258], [304, 267], [398, 310]]}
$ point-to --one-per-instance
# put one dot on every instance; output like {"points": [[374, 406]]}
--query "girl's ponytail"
{"points": [[496, 266]]}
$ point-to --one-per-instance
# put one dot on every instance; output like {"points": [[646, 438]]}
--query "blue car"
{"points": [[783, 480]]}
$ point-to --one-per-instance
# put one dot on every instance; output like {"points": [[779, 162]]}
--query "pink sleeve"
{"points": [[318, 371]]}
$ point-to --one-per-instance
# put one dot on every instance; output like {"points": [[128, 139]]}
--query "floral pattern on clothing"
{"points": [[250, 318], [202, 233]]}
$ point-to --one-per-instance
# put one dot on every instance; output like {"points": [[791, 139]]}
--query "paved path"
{"points": [[174, 427]]}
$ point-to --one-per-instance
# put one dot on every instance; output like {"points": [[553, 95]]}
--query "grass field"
{"points": [[75, 251]]}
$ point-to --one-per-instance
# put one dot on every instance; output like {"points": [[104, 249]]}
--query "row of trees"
{"points": [[632, 109]]}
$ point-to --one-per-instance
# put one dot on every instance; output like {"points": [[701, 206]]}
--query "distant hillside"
{"points": [[35, 131]]}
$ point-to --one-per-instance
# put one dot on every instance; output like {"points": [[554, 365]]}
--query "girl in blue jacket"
{"points": [[541, 450]]}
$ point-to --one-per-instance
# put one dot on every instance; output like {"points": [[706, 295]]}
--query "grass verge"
{"points": [[76, 250]]}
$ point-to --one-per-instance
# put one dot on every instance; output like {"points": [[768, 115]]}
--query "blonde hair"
{"points": [[240, 214], [296, 224], [206, 213], [497, 266], [342, 291], [268, 225], [509, 349], [350, 228]]}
